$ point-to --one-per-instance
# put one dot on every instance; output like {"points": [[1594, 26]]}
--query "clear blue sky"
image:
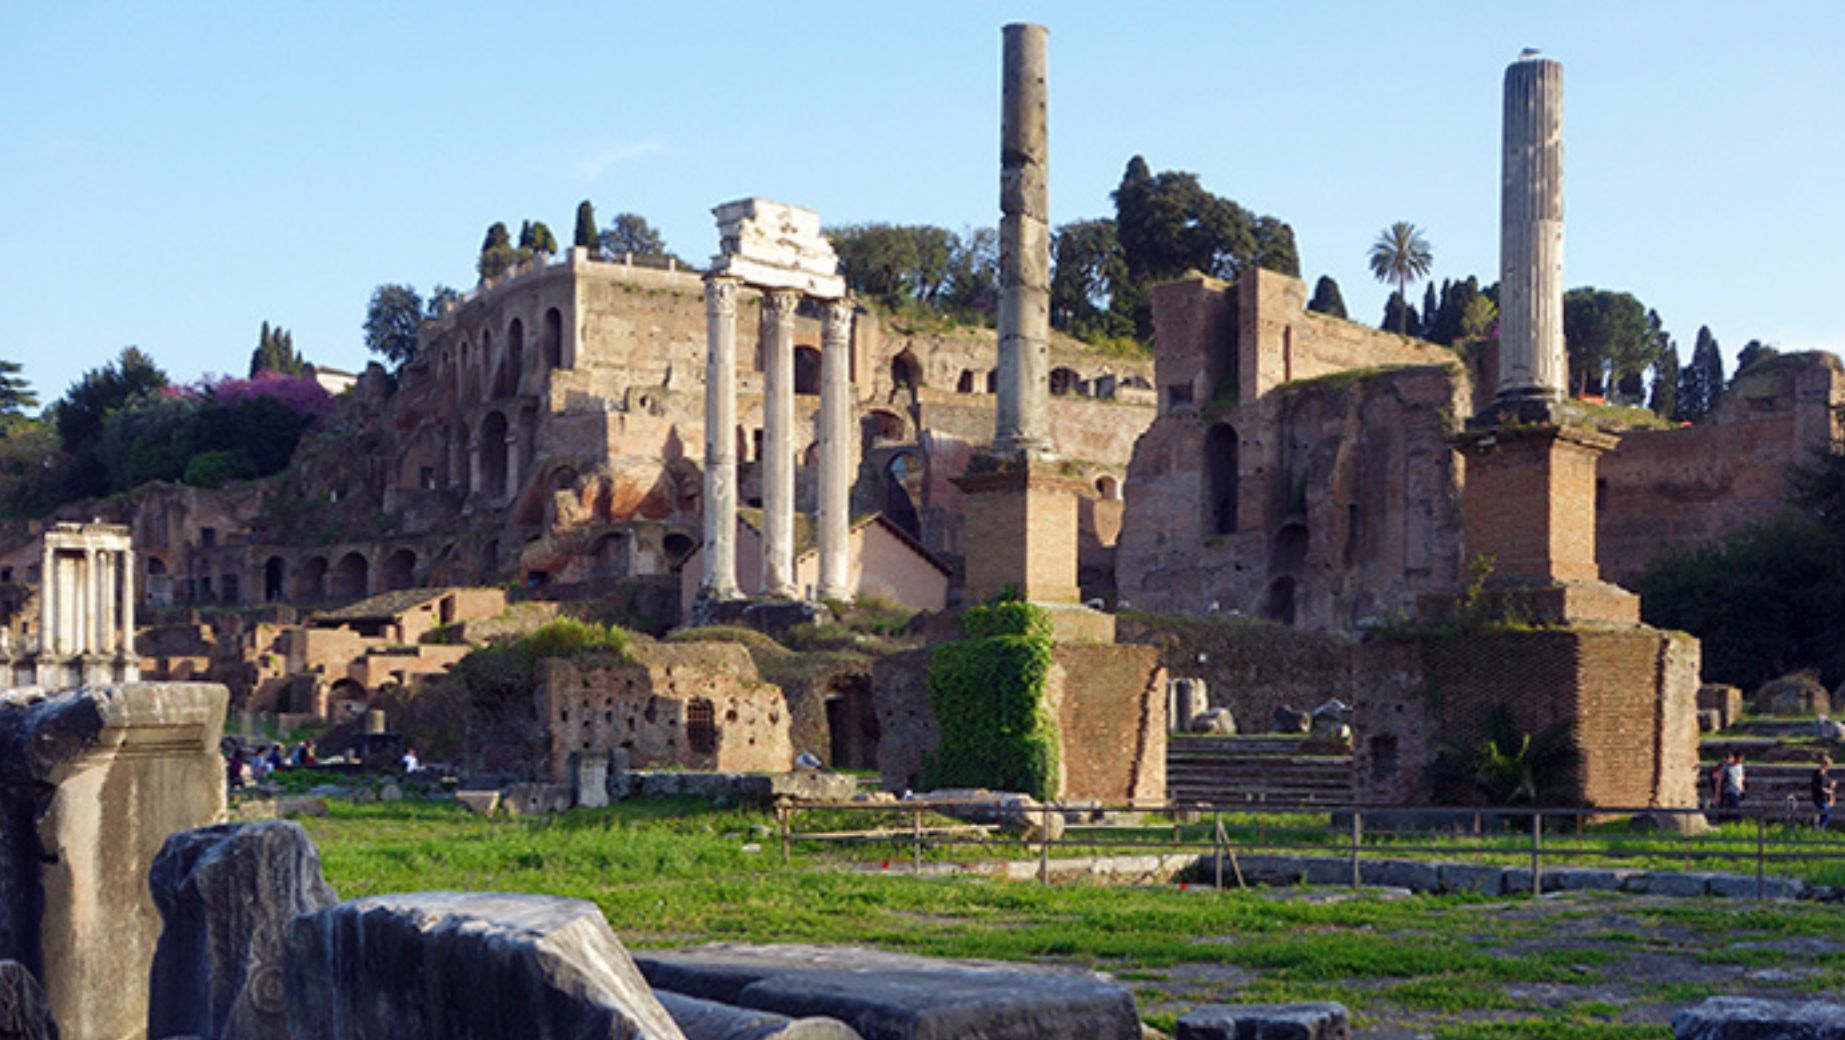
{"points": [[175, 174]]}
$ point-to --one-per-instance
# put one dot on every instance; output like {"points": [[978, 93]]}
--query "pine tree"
{"points": [[543, 241], [1326, 298], [586, 236], [1665, 382], [497, 253], [15, 393]]}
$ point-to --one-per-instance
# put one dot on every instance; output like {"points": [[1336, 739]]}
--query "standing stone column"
{"points": [[1023, 426], [47, 602], [720, 505], [512, 461], [835, 450], [1531, 357], [128, 615], [86, 621], [778, 306], [105, 602]]}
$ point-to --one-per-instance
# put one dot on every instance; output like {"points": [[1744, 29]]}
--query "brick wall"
{"points": [[1110, 703]]}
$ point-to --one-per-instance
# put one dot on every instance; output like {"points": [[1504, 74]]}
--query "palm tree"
{"points": [[1400, 255]]}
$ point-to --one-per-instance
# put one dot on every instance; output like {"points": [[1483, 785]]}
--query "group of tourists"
{"points": [[255, 766], [1729, 781]]}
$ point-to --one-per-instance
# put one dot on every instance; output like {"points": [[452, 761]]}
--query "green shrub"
{"points": [[568, 637], [1006, 618], [214, 469], [987, 693]]}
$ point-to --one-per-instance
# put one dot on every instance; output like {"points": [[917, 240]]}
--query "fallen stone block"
{"points": [[710, 1020], [1750, 1018], [25, 1014], [1473, 877], [226, 895], [535, 799], [1735, 886], [301, 806], [1267, 869], [92, 783], [891, 996], [465, 966], [1669, 883], [1328, 870], [480, 803], [1316, 1021], [1584, 879], [1397, 873]]}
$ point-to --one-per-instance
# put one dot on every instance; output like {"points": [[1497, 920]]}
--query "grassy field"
{"points": [[1445, 966]]}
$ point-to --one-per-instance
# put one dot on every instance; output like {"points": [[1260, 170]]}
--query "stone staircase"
{"points": [[1263, 770]]}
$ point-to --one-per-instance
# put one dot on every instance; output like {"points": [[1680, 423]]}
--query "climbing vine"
{"points": [[987, 692]]}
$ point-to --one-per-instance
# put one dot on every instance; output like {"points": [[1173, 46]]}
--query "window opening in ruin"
{"points": [[756, 444], [993, 381], [1064, 381], [1220, 469], [851, 724], [677, 547], [351, 577], [6, 575], [204, 589], [1290, 554], [903, 483], [906, 374], [965, 384], [208, 537], [1108, 488], [1177, 395], [313, 587], [426, 478], [400, 570], [806, 370], [493, 454], [701, 734], [554, 339], [231, 590], [515, 355], [275, 574], [1280, 605], [1384, 757]]}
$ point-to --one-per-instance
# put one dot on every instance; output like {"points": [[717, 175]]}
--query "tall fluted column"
{"points": [[778, 308], [1023, 426], [1531, 357], [720, 506], [836, 451], [48, 604], [128, 610], [105, 602], [86, 621]]}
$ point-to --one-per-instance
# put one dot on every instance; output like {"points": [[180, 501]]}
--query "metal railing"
{"points": [[1537, 839]]}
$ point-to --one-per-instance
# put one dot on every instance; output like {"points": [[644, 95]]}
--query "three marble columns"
{"points": [[778, 578]]}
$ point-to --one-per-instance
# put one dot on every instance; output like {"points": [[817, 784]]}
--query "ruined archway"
{"points": [[906, 373], [275, 577], [1220, 476], [311, 582], [351, 577], [965, 384], [1108, 488], [879, 428], [903, 478], [677, 547], [400, 570], [493, 454], [1064, 381]]}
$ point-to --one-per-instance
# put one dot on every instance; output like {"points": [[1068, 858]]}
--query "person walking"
{"points": [[1825, 790], [1730, 783]]}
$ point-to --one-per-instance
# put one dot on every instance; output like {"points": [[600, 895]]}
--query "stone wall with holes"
{"points": [[680, 705]]}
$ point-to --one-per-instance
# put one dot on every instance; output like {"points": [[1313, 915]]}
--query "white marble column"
{"points": [[105, 602], [1532, 363], [128, 608], [48, 602], [836, 451], [512, 462], [86, 617], [720, 506], [777, 338], [1023, 410]]}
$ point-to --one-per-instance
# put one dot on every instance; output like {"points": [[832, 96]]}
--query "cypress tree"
{"points": [[543, 241], [587, 235], [1665, 382], [1326, 298], [1701, 382], [1430, 308]]}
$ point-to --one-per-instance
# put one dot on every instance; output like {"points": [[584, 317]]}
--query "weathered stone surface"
{"points": [[1669, 883], [1471, 877], [226, 895], [532, 799], [1317, 1021], [1709, 720], [1289, 720], [1216, 721], [589, 780], [25, 1014], [481, 803], [889, 996], [1792, 695], [1393, 873], [1014, 813], [465, 966], [1749, 1018], [1736, 886], [91, 784], [710, 1020], [737, 788]]}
